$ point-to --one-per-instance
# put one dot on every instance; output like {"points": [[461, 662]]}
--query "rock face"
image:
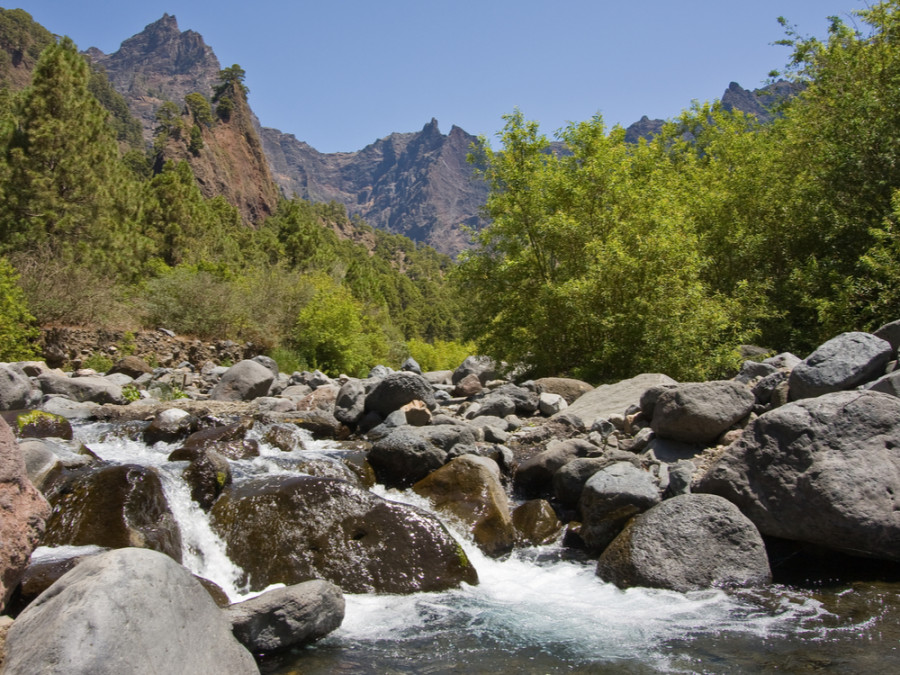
{"points": [[23, 512], [293, 529], [687, 543], [117, 507], [700, 412], [845, 361], [125, 611], [287, 617], [469, 488], [416, 184], [823, 470]]}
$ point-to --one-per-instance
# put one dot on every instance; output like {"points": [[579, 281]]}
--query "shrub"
{"points": [[17, 327]]}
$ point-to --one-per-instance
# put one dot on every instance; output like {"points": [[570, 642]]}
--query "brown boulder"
{"points": [[536, 523], [23, 512], [570, 389], [469, 488], [289, 529]]}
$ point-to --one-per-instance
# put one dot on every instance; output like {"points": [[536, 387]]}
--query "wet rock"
{"points": [[610, 498], [404, 457], [687, 543], [207, 475], [169, 426], [823, 470], [228, 440], [844, 362], [699, 412], [41, 463], [138, 611], [40, 424], [536, 523], [289, 529], [469, 488], [23, 512], [287, 617], [285, 437], [114, 507], [244, 381]]}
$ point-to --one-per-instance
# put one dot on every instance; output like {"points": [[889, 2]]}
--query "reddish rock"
{"points": [[23, 512]]}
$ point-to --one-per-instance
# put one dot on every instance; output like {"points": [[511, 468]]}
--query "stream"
{"points": [[542, 610]]}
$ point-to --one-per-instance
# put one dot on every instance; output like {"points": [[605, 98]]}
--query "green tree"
{"points": [[199, 108]]}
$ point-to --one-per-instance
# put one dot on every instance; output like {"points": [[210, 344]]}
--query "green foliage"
{"points": [[288, 360], [131, 393], [440, 354], [21, 42], [196, 143], [199, 108], [99, 362], [128, 346], [17, 330]]}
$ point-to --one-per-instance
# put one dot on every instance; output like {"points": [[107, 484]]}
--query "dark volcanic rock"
{"points": [[823, 470], [292, 529]]}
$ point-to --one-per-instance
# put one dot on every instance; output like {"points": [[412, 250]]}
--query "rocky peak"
{"points": [[161, 63]]}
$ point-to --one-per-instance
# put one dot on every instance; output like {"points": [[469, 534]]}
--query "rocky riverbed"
{"points": [[788, 471]]}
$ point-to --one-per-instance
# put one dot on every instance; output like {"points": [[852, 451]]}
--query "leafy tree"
{"points": [[17, 329]]}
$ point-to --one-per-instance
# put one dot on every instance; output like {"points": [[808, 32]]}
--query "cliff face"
{"points": [[159, 64], [415, 184]]}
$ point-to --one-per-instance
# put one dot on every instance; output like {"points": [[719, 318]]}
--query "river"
{"points": [[544, 611]]}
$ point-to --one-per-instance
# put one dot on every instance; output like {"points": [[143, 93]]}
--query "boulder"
{"points": [[411, 366], [322, 398], [207, 475], [570, 389], [416, 414], [404, 457], [115, 507], [396, 390], [699, 412], [569, 480], [468, 386], [41, 424], [753, 371], [481, 366], [509, 399], [23, 512], [887, 384], [82, 389], [125, 611], [132, 366], [469, 489], [687, 543], [66, 407], [783, 361], [610, 498], [289, 529], [46, 567], [244, 381], [169, 426], [613, 399], [41, 463], [229, 440], [293, 616], [891, 333], [16, 390], [535, 475], [285, 437], [536, 523], [844, 362], [550, 404], [823, 470], [350, 404]]}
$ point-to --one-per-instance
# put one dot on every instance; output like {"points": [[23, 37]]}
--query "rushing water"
{"points": [[543, 611]]}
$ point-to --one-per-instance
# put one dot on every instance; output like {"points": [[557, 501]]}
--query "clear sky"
{"points": [[340, 74]]}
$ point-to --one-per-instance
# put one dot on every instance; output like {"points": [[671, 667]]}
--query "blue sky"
{"points": [[340, 74]]}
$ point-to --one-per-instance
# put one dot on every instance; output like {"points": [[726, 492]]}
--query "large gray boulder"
{"points": [[570, 389], [287, 617], [396, 390], [844, 362], [244, 381], [822, 470], [509, 399], [535, 475], [125, 611], [613, 399], [288, 529], [481, 366], [23, 512], [687, 543], [699, 412], [16, 390], [891, 333], [93, 389], [350, 404], [610, 498], [886, 384]]}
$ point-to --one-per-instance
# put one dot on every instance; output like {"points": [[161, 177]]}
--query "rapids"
{"points": [[543, 610]]}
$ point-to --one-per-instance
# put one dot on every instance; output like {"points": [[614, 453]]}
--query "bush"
{"points": [[17, 328], [441, 355]]}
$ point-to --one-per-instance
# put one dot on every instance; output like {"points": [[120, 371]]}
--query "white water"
{"points": [[532, 602]]}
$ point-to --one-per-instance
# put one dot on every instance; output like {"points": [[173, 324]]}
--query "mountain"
{"points": [[159, 64], [416, 184]]}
